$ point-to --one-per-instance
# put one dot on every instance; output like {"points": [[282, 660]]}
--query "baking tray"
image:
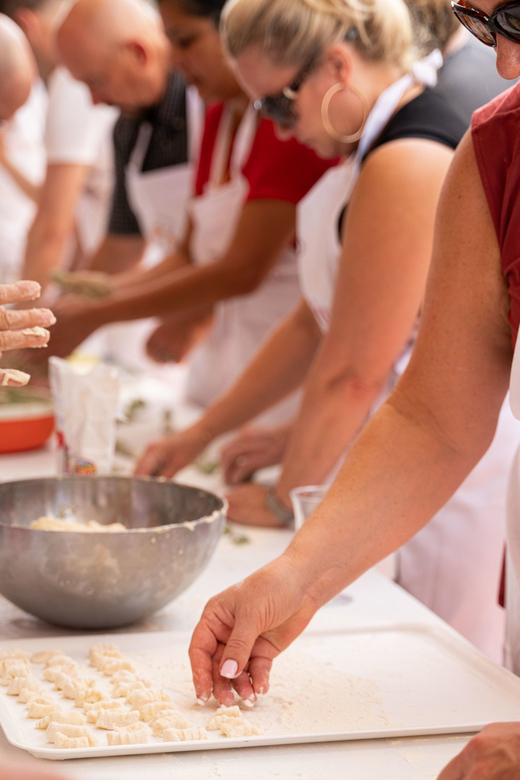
{"points": [[382, 681]]}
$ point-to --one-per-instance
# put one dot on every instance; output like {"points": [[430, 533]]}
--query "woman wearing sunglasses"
{"points": [[238, 254], [424, 441], [345, 87]]}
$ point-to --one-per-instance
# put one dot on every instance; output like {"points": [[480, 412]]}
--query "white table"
{"points": [[374, 598]]}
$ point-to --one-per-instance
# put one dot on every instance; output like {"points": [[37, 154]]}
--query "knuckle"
{"points": [[238, 644]]}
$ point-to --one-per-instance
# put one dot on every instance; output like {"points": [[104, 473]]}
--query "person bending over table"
{"points": [[238, 253], [17, 71], [363, 282], [422, 443]]}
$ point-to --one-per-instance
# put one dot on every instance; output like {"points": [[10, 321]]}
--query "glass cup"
{"points": [[305, 500]]}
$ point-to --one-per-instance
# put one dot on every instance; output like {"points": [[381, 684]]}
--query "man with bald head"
{"points": [[118, 48], [17, 328], [75, 195]]}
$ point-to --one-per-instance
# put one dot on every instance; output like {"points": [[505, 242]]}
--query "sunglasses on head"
{"points": [[505, 21]]}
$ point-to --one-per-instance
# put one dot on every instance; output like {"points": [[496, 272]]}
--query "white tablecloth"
{"points": [[375, 598]]}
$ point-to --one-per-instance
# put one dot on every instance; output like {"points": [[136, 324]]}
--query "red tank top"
{"points": [[495, 132]]}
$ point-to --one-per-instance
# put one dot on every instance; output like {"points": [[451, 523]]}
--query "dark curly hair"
{"points": [[10, 7], [210, 9]]}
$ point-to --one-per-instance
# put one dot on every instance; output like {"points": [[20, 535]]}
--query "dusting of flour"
{"points": [[306, 695]]}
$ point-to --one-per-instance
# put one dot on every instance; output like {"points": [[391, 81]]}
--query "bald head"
{"points": [[17, 68], [116, 47]]}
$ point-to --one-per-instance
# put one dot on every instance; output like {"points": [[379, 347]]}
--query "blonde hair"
{"points": [[434, 23], [293, 32]]}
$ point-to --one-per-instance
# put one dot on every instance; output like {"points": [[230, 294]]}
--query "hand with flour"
{"points": [[21, 328]]}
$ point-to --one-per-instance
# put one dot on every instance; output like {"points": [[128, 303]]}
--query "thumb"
{"points": [[238, 648]]}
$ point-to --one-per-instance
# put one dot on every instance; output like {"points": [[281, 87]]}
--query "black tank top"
{"points": [[430, 116]]}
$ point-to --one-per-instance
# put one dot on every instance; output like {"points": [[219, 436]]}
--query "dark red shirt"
{"points": [[496, 138]]}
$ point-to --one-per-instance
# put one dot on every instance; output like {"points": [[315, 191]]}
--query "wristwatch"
{"points": [[273, 503]]}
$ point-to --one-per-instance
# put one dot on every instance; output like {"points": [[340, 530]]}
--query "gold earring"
{"points": [[327, 124]]}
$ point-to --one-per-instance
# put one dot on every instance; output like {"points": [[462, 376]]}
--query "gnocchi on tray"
{"points": [[104, 701]]}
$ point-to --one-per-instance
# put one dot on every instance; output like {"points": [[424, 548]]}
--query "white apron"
{"points": [[512, 654], [243, 322], [453, 564], [159, 200]]}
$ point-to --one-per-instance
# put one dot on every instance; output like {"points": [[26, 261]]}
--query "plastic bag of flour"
{"points": [[85, 402]]}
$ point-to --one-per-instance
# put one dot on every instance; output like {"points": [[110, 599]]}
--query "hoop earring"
{"points": [[327, 124]]}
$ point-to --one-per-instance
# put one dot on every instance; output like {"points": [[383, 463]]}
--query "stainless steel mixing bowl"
{"points": [[102, 580]]}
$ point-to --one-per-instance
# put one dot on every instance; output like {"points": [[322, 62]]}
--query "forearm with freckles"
{"points": [[397, 475]]}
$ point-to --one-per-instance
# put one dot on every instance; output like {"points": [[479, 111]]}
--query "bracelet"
{"points": [[273, 503]]}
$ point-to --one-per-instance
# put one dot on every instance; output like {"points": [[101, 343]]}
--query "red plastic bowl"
{"points": [[25, 426]]}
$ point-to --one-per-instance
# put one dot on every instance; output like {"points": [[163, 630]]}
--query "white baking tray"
{"points": [[369, 683]]}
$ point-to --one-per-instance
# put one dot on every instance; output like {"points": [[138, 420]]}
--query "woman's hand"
{"points": [[177, 336], [166, 456], [247, 507], [494, 754], [21, 328], [244, 628], [253, 449]]}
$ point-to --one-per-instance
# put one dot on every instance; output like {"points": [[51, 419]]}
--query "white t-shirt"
{"points": [[25, 147], [80, 133]]}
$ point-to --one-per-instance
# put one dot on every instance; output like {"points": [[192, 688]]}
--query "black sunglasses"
{"points": [[505, 21], [280, 107]]}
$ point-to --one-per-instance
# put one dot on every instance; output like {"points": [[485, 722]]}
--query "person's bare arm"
{"points": [[54, 221], [137, 277], [380, 287], [117, 254], [278, 368], [408, 460], [20, 329], [265, 228]]}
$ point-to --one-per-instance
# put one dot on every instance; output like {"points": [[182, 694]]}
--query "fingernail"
{"points": [[249, 702], [203, 700], [229, 669], [49, 317]]}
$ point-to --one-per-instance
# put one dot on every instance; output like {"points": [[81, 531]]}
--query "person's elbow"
{"points": [[243, 279], [355, 387]]}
